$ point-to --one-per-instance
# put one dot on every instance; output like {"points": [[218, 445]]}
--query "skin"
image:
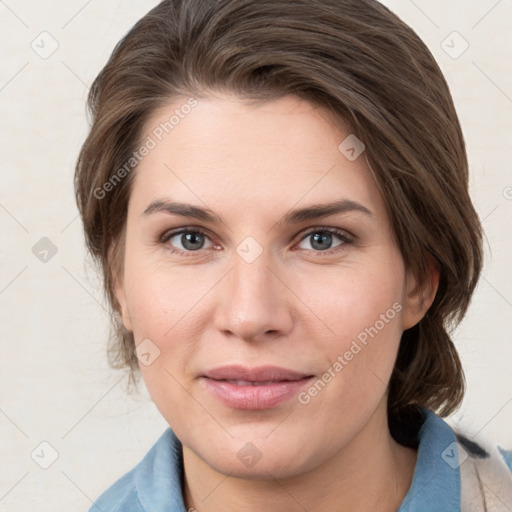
{"points": [[295, 306]]}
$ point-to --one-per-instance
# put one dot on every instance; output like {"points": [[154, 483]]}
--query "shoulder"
{"points": [[154, 484], [121, 496], [486, 474], [453, 472], [484, 453]]}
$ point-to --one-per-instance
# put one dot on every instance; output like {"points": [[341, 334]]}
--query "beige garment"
{"points": [[486, 482]]}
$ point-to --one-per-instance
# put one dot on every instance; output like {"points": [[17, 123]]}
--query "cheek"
{"points": [[164, 307], [357, 364], [361, 311], [347, 301], [156, 297], [162, 310]]}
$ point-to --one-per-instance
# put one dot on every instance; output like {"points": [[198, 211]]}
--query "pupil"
{"points": [[189, 239], [319, 238]]}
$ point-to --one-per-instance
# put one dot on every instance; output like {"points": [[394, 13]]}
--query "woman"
{"points": [[277, 194]]}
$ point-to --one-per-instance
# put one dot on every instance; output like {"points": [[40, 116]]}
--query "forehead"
{"points": [[229, 152]]}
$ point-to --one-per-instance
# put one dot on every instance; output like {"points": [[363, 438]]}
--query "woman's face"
{"points": [[267, 328]]}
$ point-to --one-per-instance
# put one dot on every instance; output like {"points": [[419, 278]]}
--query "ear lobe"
{"points": [[420, 296], [119, 289]]}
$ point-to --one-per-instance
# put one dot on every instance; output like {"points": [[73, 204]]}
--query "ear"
{"points": [[114, 257], [419, 297]]}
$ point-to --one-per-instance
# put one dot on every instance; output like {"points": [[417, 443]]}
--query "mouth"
{"points": [[258, 388]]}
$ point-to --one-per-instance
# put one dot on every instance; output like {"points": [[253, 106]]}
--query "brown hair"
{"points": [[352, 57]]}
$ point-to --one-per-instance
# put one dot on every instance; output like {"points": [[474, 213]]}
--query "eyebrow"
{"points": [[313, 212]]}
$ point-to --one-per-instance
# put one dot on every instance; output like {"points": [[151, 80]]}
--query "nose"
{"points": [[254, 303]]}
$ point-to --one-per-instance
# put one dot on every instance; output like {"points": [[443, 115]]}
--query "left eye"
{"points": [[321, 238]]}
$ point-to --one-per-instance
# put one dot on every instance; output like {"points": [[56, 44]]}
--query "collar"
{"points": [[159, 476], [436, 480]]}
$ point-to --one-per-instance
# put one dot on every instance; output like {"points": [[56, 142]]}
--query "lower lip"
{"points": [[255, 397]]}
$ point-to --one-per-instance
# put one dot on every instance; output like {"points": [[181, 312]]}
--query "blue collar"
{"points": [[155, 484], [436, 480], [159, 476]]}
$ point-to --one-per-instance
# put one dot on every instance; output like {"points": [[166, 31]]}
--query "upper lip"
{"points": [[257, 374]]}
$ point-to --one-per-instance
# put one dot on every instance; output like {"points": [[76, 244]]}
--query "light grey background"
{"points": [[55, 386]]}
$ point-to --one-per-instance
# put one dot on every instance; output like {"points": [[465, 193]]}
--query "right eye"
{"points": [[191, 240]]}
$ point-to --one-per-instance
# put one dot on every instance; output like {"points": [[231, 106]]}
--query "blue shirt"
{"points": [[154, 485]]}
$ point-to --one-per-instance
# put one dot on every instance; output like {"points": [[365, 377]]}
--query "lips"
{"points": [[263, 387], [254, 375], [251, 383]]}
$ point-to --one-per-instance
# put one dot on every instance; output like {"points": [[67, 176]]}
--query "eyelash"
{"points": [[342, 235]]}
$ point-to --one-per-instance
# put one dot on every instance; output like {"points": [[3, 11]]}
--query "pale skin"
{"points": [[296, 306]]}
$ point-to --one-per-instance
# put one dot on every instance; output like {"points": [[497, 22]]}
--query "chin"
{"points": [[270, 469], [262, 459]]}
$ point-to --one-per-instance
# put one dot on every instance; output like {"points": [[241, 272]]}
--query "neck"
{"points": [[373, 472]]}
